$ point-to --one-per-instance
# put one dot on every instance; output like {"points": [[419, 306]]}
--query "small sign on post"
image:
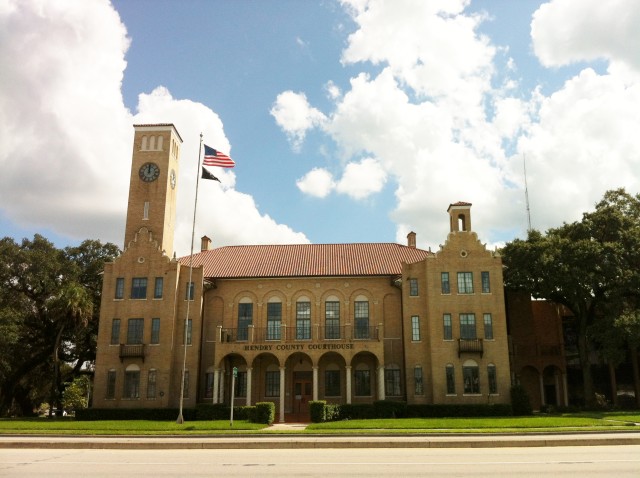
{"points": [[233, 389]]}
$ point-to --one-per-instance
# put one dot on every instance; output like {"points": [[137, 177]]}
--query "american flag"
{"points": [[213, 157]]}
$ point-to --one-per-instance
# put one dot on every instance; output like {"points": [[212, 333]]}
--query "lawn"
{"points": [[581, 422]]}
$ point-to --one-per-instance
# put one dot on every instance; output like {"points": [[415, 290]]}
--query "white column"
{"points": [[249, 387], [222, 374], [216, 384], [282, 397], [381, 382], [348, 374], [542, 399], [315, 382]]}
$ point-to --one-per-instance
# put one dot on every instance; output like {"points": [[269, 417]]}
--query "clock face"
{"points": [[172, 178], [149, 172]]}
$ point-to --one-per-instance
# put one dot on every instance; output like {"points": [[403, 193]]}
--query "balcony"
{"points": [[132, 351], [470, 346]]}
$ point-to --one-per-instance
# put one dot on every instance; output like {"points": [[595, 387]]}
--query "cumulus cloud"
{"points": [[362, 179], [66, 135], [318, 183], [295, 116]]}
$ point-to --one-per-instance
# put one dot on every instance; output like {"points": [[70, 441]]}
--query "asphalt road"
{"points": [[617, 461]]}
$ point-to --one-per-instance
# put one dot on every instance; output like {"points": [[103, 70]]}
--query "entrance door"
{"points": [[302, 395]]}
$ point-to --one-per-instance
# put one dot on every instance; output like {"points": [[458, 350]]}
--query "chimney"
{"points": [[205, 243], [411, 239]]}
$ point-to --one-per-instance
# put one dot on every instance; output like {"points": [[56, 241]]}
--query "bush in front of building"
{"points": [[318, 411], [263, 412], [89, 414], [219, 411], [389, 409], [520, 402]]}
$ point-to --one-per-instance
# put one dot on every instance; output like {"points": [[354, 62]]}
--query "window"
{"points": [[417, 380], [492, 378], [132, 383], [185, 391], [111, 384], [486, 285], [413, 287], [155, 331], [488, 327], [274, 320], [119, 288], [272, 384], [468, 327], [115, 331], [444, 283], [157, 288], [189, 327], [465, 282], [448, 328], [135, 329], [241, 385], [208, 387], [451, 382], [471, 377], [392, 382], [332, 319], [245, 319], [415, 328], [139, 288], [190, 291], [303, 320], [332, 383], [361, 319], [151, 384], [363, 383]]}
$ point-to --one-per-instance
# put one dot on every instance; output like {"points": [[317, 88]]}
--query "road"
{"points": [[619, 461]]}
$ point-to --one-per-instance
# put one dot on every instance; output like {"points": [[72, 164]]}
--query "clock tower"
{"points": [[152, 185]]}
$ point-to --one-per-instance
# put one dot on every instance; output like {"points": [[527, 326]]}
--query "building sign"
{"points": [[296, 347]]}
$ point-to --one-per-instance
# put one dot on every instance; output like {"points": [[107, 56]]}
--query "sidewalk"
{"points": [[319, 441]]}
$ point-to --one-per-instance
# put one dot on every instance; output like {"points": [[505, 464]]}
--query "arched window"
{"points": [[143, 145], [159, 145], [361, 316], [451, 379], [152, 143], [274, 318], [132, 382], [303, 318], [362, 379], [245, 318], [471, 377], [332, 318]]}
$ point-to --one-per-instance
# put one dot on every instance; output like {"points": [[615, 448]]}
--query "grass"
{"points": [[577, 422]]}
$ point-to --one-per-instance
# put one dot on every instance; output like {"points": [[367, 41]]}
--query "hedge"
{"points": [[264, 412], [90, 414]]}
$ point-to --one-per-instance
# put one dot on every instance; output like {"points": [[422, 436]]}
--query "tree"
{"points": [[49, 303], [591, 267]]}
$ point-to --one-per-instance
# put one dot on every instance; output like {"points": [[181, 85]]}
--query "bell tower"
{"points": [[153, 183], [460, 216]]}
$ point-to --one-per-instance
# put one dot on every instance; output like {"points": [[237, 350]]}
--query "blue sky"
{"points": [[349, 121]]}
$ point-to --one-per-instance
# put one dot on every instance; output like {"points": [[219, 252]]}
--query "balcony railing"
{"points": [[298, 333], [132, 351], [470, 346]]}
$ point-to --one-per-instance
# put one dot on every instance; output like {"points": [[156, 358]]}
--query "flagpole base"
{"points": [[180, 419]]}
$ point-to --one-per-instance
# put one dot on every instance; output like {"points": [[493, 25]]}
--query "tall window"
{"points": [[208, 385], [451, 379], [151, 384], [392, 382], [189, 331], [413, 287], [417, 380], [444, 283], [415, 328], [468, 326], [119, 288], [190, 291], [111, 384], [115, 331], [465, 282], [131, 383], [332, 383], [448, 327], [274, 320], [332, 319], [303, 320], [488, 327], [241, 385], [155, 331], [361, 319], [139, 288], [363, 383], [158, 288], [245, 319], [272, 384], [471, 377], [492, 378], [486, 285], [135, 330]]}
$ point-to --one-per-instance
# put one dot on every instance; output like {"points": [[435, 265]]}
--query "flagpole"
{"points": [[186, 322]]}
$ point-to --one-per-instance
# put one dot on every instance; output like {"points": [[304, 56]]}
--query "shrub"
{"points": [[318, 411], [263, 412], [390, 409], [520, 403], [357, 411]]}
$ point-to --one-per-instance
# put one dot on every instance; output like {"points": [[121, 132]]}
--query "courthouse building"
{"points": [[345, 323]]}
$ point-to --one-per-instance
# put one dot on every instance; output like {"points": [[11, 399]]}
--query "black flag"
{"points": [[207, 175]]}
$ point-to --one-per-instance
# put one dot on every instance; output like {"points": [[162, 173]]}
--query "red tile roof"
{"points": [[306, 260]]}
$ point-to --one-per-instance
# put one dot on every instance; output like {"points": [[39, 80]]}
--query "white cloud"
{"points": [[295, 116], [362, 179], [66, 135], [318, 183]]}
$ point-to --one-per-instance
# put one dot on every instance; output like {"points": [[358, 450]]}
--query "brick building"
{"points": [[346, 323]]}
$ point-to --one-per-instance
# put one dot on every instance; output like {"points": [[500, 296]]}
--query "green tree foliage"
{"points": [[592, 267], [49, 306]]}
